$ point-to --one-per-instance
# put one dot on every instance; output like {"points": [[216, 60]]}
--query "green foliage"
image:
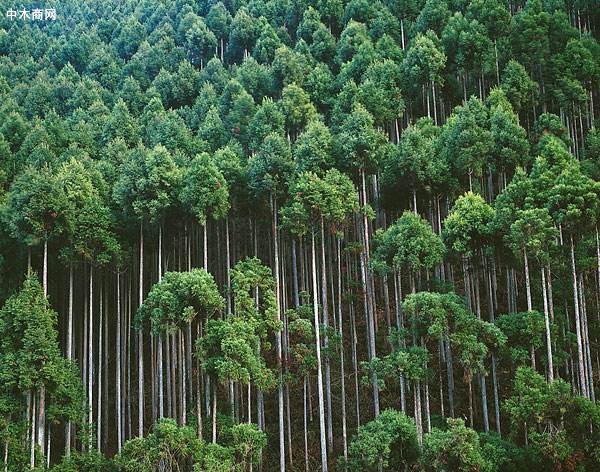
{"points": [[331, 198], [457, 448], [409, 362], [358, 142], [179, 298], [433, 314], [30, 361], [204, 191], [465, 141], [524, 330], [231, 348], [416, 163], [148, 183], [270, 169], [409, 244], [302, 336], [167, 446], [389, 442], [36, 207], [560, 427], [467, 227], [92, 461]]}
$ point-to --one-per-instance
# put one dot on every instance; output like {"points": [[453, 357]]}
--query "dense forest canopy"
{"points": [[300, 235]]}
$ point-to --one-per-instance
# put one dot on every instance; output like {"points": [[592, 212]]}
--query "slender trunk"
{"points": [[341, 334], [118, 366], [205, 247], [527, 280], [580, 358], [470, 400], [32, 404], [90, 352], [68, 427], [370, 315], [159, 352], [304, 395], [214, 414], [100, 359], [325, 308], [45, 268], [418, 419], [450, 369], [278, 337], [140, 339], [318, 348], [547, 325], [228, 262]]}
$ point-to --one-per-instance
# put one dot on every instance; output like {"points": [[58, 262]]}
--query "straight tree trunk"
{"points": [[324, 467], [580, 358], [278, 338], [118, 366], [68, 427], [140, 339], [547, 326]]}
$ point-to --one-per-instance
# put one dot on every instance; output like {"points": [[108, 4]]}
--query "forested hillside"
{"points": [[302, 235]]}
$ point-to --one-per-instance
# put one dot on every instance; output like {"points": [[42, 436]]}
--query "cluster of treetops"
{"points": [[300, 235]]}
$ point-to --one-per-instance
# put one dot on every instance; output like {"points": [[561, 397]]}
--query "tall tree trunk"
{"points": [[278, 337], [318, 348], [370, 315], [547, 326], [90, 351], [140, 338], [118, 366], [325, 308], [159, 351], [580, 358], [100, 359], [69, 426], [341, 334]]}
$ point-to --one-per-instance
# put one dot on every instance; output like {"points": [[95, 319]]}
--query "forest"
{"points": [[300, 235]]}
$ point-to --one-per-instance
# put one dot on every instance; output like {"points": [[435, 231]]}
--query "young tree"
{"points": [[457, 448], [389, 442], [38, 384]]}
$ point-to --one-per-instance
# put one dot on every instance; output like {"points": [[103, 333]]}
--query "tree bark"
{"points": [[318, 349]]}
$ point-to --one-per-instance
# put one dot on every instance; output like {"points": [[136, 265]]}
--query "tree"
{"points": [[520, 90], [231, 349], [313, 150], [540, 415], [297, 109], [38, 384], [422, 66], [146, 190], [387, 443], [408, 244], [415, 162], [315, 201], [510, 148], [36, 210], [268, 119], [465, 141], [380, 94], [457, 448]]}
